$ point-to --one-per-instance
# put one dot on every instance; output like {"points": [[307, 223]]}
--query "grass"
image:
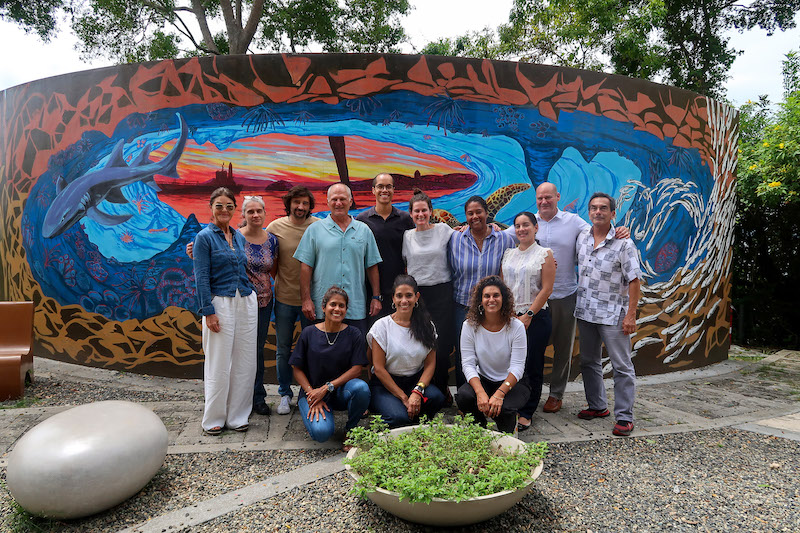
{"points": [[26, 401], [21, 521]]}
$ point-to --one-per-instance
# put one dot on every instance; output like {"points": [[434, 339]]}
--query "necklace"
{"points": [[327, 338]]}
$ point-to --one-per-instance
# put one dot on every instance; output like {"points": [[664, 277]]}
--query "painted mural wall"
{"points": [[106, 176]]}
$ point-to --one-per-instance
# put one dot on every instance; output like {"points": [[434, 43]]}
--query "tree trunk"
{"points": [[338, 148]]}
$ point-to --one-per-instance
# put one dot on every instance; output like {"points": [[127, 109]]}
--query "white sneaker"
{"points": [[283, 407]]}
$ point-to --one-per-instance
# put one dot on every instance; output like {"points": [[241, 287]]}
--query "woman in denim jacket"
{"points": [[230, 313]]}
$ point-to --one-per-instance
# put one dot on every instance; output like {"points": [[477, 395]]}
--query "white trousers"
{"points": [[230, 361]]}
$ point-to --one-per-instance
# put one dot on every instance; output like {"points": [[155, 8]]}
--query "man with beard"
{"points": [[298, 202]]}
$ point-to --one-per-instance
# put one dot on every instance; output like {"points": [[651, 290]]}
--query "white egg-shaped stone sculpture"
{"points": [[87, 459]]}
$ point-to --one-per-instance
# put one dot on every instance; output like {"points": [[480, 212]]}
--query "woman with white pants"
{"points": [[230, 314]]}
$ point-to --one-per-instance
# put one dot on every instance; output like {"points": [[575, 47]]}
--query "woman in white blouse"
{"points": [[530, 270], [493, 350], [425, 254], [404, 358]]}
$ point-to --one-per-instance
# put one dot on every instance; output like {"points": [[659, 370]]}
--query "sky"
{"points": [[757, 71]]}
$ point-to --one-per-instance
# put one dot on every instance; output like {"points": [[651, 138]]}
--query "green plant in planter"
{"points": [[435, 460]]}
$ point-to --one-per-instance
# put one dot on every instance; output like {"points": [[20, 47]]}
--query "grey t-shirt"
{"points": [[425, 254]]}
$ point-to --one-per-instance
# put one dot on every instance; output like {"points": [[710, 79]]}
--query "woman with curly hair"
{"points": [[404, 359], [493, 351]]}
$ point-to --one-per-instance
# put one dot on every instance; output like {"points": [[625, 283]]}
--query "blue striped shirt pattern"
{"points": [[469, 264]]}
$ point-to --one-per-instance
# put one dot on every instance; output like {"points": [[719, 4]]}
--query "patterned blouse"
{"points": [[522, 272], [260, 258]]}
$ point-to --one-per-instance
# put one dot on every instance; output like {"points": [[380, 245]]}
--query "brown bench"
{"points": [[16, 338]]}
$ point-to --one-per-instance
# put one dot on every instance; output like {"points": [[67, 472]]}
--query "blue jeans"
{"points": [[285, 317], [353, 397], [392, 409], [264, 314]]}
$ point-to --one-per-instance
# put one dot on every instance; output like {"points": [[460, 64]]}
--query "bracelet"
{"points": [[501, 390], [417, 391], [421, 384], [507, 384]]}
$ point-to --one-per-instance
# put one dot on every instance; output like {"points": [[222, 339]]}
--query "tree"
{"points": [[680, 41], [766, 255], [483, 44], [38, 16], [137, 30]]}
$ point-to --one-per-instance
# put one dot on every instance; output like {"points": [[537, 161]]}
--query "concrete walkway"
{"points": [[760, 396]]}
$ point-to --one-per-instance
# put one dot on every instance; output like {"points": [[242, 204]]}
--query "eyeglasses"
{"points": [[382, 187], [220, 207]]}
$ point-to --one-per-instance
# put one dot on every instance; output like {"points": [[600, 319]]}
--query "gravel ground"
{"points": [[719, 480], [182, 480], [49, 392]]}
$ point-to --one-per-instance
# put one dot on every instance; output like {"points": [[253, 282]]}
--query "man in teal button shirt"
{"points": [[339, 250]]}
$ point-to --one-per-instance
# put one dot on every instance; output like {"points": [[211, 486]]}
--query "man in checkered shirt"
{"points": [[608, 294]]}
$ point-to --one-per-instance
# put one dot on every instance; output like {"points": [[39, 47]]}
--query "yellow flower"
{"points": [[774, 184], [765, 144], [739, 150], [780, 146], [753, 167]]}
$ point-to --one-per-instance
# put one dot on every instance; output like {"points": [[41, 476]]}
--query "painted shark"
{"points": [[81, 197]]}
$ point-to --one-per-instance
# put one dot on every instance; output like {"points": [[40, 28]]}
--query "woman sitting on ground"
{"points": [[404, 359], [493, 350], [327, 361]]}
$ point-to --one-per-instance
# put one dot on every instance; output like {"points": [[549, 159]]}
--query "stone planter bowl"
{"points": [[448, 513]]}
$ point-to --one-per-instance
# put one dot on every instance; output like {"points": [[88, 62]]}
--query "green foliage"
{"points": [[372, 26], [26, 401], [294, 25], [439, 461], [683, 42], [140, 30], [766, 255], [19, 520], [791, 73], [483, 44], [38, 16]]}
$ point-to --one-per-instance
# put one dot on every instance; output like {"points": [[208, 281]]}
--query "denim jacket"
{"points": [[218, 269]]}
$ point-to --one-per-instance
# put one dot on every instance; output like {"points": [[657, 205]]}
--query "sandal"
{"points": [[242, 429], [216, 430], [523, 427]]}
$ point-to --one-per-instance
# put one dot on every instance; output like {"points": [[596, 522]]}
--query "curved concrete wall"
{"points": [[121, 295]]}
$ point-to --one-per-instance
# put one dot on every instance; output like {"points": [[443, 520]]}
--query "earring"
{"points": [[416, 304], [394, 306], [480, 309]]}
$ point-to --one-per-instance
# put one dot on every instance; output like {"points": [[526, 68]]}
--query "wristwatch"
{"points": [[530, 313], [378, 297], [330, 386]]}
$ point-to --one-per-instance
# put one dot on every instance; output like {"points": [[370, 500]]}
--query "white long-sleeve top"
{"points": [[493, 355]]}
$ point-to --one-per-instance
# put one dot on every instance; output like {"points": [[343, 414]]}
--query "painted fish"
{"points": [[81, 197]]}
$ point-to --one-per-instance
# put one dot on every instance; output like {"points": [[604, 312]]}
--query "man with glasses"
{"points": [[298, 203], [339, 250], [559, 231], [608, 295], [388, 225]]}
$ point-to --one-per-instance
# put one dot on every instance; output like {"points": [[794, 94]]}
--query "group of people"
{"points": [[392, 292]]}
